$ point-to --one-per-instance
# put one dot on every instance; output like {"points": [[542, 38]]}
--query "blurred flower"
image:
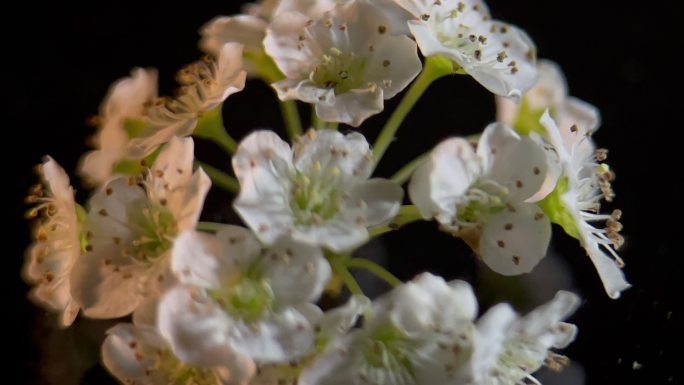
{"points": [[319, 194], [345, 63], [132, 224], [56, 246], [139, 355], [236, 302]]}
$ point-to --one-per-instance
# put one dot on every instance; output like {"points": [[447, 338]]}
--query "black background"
{"points": [[619, 57]]}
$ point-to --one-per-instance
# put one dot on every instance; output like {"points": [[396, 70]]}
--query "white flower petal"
{"points": [[125, 353], [283, 48], [244, 29], [427, 301], [390, 61], [353, 107], [543, 322], [381, 200], [452, 168], [338, 235], [262, 162], [514, 240], [197, 332], [296, 272], [277, 337], [304, 90], [340, 320], [612, 276], [492, 332], [198, 258], [106, 290], [513, 160], [350, 155]]}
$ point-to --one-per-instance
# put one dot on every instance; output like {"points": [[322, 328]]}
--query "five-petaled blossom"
{"points": [[499, 56], [139, 355], [131, 226], [205, 85], [346, 63], [481, 196], [120, 113], [238, 304], [419, 333], [56, 247], [508, 349], [319, 193], [549, 93], [249, 29], [576, 201]]}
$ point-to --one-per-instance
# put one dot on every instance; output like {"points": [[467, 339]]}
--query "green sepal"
{"points": [[557, 211], [134, 127], [132, 167], [528, 118]]}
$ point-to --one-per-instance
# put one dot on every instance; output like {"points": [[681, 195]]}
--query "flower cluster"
{"points": [[219, 304]]}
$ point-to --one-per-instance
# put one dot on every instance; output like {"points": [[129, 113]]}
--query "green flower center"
{"points": [[482, 199], [388, 354], [554, 207], [315, 198], [341, 71], [155, 227], [248, 298]]}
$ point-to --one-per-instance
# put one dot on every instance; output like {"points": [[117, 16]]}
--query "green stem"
{"points": [[288, 108], [339, 267], [210, 226], [293, 124], [434, 68], [349, 281], [210, 126], [405, 172], [406, 215], [374, 268], [220, 178], [316, 121]]}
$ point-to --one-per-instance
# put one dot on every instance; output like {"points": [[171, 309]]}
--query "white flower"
{"points": [[205, 84], [508, 349], [345, 63], [328, 326], [549, 93], [240, 301], [420, 333], [575, 202], [131, 226], [499, 56], [481, 196], [121, 110], [56, 247], [139, 355], [249, 29], [319, 194]]}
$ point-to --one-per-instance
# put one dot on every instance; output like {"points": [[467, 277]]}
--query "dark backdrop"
{"points": [[63, 57]]}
